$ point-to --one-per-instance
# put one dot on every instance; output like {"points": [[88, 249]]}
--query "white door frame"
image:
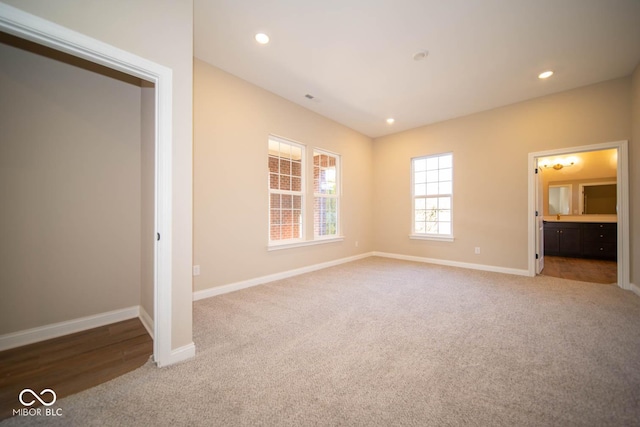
{"points": [[622, 195], [26, 26], [539, 220]]}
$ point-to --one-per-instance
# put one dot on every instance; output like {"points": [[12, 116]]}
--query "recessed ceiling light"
{"points": [[545, 74], [390, 120], [262, 38]]}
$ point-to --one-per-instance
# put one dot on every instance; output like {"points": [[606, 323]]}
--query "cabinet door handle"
{"points": [[601, 235]]}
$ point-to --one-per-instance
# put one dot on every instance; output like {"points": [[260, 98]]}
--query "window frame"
{"points": [[337, 196], [306, 207], [424, 235], [302, 193]]}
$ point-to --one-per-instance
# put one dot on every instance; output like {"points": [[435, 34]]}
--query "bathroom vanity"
{"points": [[581, 239]]}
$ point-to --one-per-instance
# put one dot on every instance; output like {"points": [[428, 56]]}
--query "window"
{"points": [[286, 190], [287, 195], [326, 193], [432, 191]]}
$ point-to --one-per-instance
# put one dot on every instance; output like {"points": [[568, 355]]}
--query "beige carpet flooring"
{"points": [[382, 342]]}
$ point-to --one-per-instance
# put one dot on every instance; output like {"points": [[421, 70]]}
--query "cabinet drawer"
{"points": [[603, 250], [595, 235], [600, 225], [560, 225]]}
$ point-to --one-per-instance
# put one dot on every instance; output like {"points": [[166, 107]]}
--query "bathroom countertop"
{"points": [[581, 218]]}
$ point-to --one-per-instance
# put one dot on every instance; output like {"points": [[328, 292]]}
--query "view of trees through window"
{"points": [[432, 194], [325, 191]]}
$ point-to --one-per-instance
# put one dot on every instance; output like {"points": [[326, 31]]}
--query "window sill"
{"points": [[431, 237], [279, 246]]}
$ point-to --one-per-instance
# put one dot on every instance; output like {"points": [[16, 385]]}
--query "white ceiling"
{"points": [[356, 56]]}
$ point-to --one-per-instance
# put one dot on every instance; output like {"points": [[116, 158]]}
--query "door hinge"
{"points": [[536, 213], [537, 256], [158, 236], [536, 170]]}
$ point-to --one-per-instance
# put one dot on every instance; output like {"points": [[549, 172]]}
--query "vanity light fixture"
{"points": [[557, 164], [262, 38], [545, 75]]}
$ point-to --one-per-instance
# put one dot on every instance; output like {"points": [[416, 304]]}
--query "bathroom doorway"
{"points": [[571, 242]]}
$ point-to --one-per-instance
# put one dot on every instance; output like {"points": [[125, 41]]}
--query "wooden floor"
{"points": [[586, 270], [72, 363]]}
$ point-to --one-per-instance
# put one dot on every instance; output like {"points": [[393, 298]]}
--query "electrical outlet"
{"points": [[196, 270], [477, 250]]}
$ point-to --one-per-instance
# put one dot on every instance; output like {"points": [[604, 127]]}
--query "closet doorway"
{"points": [[31, 28]]}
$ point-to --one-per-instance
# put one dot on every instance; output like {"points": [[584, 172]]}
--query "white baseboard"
{"points": [[30, 336], [635, 289], [147, 321], [180, 354], [219, 290], [482, 267]]}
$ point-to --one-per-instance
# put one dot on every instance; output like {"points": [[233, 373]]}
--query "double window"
{"points": [[432, 194], [287, 193]]}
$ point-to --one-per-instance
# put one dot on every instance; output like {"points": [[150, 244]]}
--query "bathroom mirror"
{"points": [[559, 199], [598, 198]]}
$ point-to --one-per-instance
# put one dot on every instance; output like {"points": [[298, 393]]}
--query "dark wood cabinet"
{"points": [[562, 239], [600, 240], [581, 240], [551, 240]]}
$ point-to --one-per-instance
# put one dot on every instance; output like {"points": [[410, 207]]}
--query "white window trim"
{"points": [[436, 237], [307, 164], [302, 193], [289, 244], [337, 196], [425, 236]]}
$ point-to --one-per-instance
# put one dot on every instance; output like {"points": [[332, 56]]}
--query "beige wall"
{"points": [[232, 121], [634, 178], [70, 174], [490, 170], [163, 33]]}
